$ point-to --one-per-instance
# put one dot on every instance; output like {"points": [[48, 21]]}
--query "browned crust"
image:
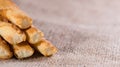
{"points": [[45, 47], [34, 35], [6, 48], [10, 11], [22, 50], [11, 34]]}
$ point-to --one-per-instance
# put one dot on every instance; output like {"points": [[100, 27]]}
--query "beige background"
{"points": [[86, 32]]}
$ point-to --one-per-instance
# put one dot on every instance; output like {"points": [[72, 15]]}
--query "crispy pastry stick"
{"points": [[34, 35], [5, 52], [22, 50], [45, 47], [9, 10], [11, 33]]}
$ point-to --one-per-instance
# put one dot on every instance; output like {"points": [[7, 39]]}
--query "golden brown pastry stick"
{"points": [[9, 10], [34, 35], [45, 47], [22, 50], [5, 52], [11, 33]]}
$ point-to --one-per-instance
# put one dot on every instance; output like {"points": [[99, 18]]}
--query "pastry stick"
{"points": [[9, 10], [45, 48], [34, 35], [22, 50], [11, 33], [5, 52]]}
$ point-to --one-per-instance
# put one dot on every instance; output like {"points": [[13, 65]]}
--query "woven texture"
{"points": [[86, 32]]}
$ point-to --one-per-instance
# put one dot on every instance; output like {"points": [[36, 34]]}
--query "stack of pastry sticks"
{"points": [[18, 36]]}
